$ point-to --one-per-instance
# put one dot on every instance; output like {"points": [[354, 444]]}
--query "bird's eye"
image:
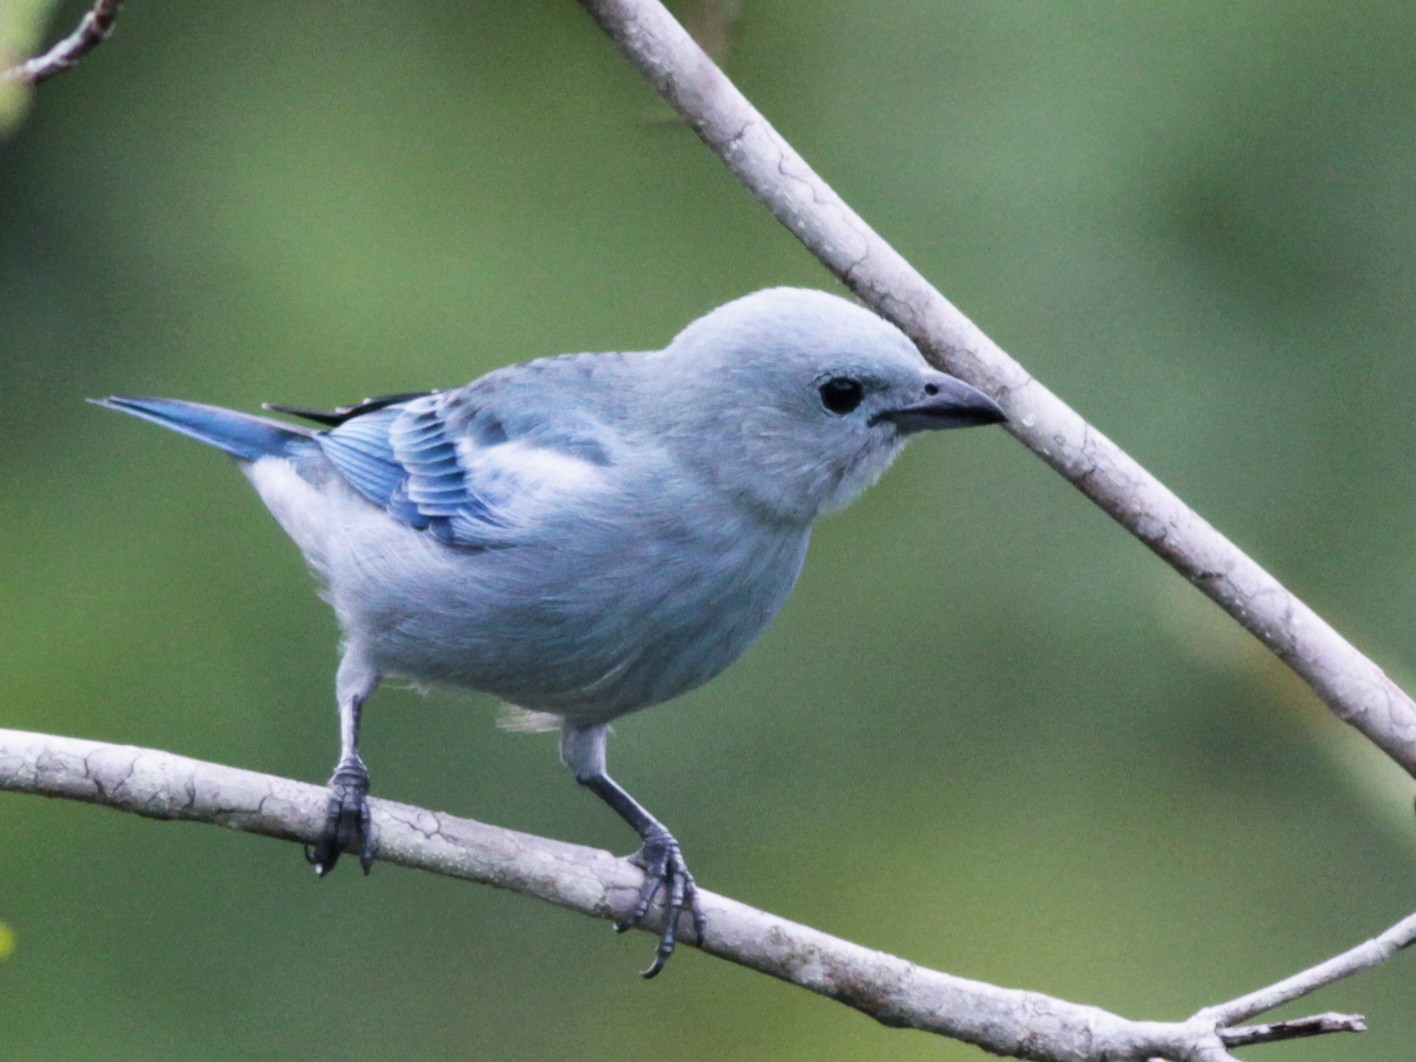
{"points": [[841, 394]]}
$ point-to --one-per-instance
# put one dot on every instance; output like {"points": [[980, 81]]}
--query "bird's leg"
{"points": [[583, 749], [347, 815], [664, 867]]}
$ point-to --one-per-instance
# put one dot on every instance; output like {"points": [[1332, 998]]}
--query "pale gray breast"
{"points": [[696, 628]]}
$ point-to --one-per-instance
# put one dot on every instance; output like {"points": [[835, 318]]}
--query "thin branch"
{"points": [[1349, 683], [95, 28], [1364, 956], [1319, 1024], [1004, 1021]]}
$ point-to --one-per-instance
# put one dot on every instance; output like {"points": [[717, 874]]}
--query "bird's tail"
{"points": [[239, 434]]}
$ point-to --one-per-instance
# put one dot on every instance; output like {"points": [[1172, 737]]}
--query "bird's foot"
{"points": [[665, 869], [346, 820]]}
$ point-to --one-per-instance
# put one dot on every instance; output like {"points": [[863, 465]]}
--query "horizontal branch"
{"points": [[1004, 1021], [1349, 683], [95, 28]]}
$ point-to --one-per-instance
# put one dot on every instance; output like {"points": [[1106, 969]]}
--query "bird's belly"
{"points": [[558, 630]]}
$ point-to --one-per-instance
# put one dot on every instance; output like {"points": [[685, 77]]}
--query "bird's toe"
{"points": [[347, 823], [665, 869]]}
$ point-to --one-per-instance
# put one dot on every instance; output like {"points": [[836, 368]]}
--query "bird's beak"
{"points": [[944, 402]]}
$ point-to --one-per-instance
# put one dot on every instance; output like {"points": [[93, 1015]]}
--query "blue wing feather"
{"points": [[404, 459], [483, 465], [360, 450]]}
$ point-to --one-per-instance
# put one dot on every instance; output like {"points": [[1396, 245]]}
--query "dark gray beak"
{"points": [[945, 402]]}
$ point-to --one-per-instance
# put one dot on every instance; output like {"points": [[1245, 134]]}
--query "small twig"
{"points": [[1317, 1025], [95, 28], [1364, 956]]}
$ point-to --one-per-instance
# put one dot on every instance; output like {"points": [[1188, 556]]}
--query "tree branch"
{"points": [[1004, 1021], [1364, 956], [1246, 1035], [95, 28], [1349, 683]]}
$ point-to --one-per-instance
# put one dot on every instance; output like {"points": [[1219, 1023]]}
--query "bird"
{"points": [[584, 535]]}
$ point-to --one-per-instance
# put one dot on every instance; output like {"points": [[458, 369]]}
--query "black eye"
{"points": [[841, 394]]}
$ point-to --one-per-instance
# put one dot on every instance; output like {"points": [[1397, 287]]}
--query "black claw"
{"points": [[664, 868], [366, 828], [347, 825]]}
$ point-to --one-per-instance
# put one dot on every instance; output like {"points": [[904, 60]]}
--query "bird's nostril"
{"points": [[931, 389]]}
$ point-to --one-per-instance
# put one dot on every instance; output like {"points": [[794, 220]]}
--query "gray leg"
{"points": [[347, 818], [583, 750]]}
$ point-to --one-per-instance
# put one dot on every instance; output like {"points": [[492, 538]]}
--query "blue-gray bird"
{"points": [[586, 535]]}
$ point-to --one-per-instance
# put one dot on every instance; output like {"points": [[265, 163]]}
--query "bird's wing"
{"points": [[470, 467]]}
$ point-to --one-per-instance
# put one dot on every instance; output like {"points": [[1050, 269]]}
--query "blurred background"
{"points": [[990, 732]]}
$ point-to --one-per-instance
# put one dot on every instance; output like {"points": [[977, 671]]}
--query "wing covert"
{"points": [[446, 464]]}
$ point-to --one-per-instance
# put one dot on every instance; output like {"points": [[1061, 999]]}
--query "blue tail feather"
{"points": [[239, 434]]}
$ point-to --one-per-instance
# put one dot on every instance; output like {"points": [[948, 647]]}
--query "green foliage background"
{"points": [[990, 732]]}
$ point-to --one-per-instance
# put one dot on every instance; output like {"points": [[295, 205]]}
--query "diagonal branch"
{"points": [[1004, 1021], [95, 28], [1348, 682]]}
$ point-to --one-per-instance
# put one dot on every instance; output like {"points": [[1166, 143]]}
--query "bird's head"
{"points": [[796, 401]]}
